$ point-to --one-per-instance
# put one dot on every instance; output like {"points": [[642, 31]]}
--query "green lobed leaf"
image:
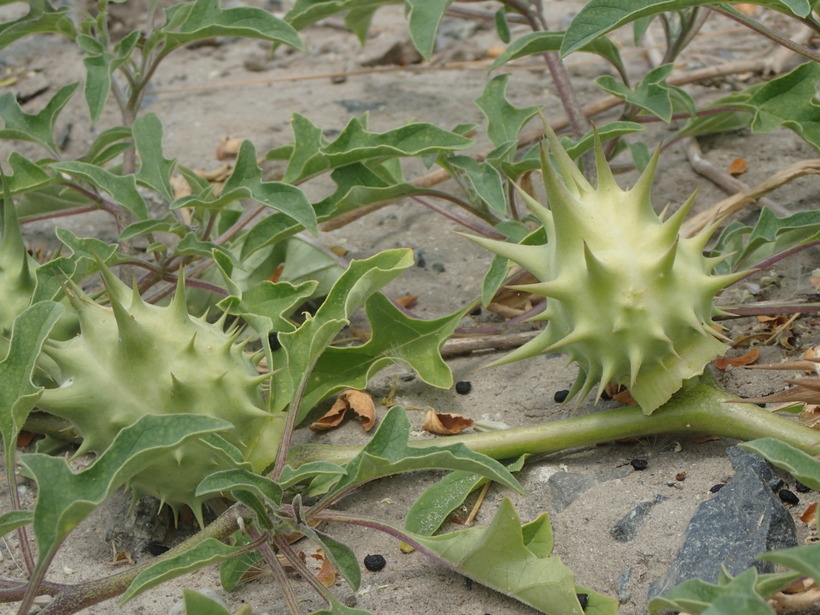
{"points": [[13, 519], [800, 465], [805, 559], [97, 83], [265, 306], [197, 603], [395, 338], [305, 159], [790, 101], [90, 248], [293, 476], [355, 143], [25, 175], [122, 188], [307, 12], [37, 127], [504, 121], [388, 453], [41, 18], [746, 246], [424, 18], [18, 394], [108, 145], [484, 182], [209, 551], [279, 196], [542, 42], [433, 507], [202, 19], [155, 170], [599, 17], [652, 93], [607, 132], [515, 561], [65, 498], [241, 480], [302, 348]]}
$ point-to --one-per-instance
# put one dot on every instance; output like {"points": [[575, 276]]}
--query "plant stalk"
{"points": [[699, 408]]}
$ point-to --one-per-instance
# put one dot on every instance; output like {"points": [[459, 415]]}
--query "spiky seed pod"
{"points": [[133, 359], [629, 299]]}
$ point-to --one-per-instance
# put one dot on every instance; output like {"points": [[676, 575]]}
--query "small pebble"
{"points": [[716, 488], [438, 267], [680, 476], [463, 387], [374, 563], [787, 497], [561, 396], [639, 464], [420, 260]]}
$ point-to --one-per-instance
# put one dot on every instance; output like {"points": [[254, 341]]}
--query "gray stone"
{"points": [[623, 587], [627, 526], [761, 467], [566, 487], [743, 520]]}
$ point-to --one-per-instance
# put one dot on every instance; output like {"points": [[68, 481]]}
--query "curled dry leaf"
{"points": [[750, 357], [360, 402], [809, 517], [738, 167], [327, 573], [180, 186], [445, 423], [228, 147], [620, 393]]}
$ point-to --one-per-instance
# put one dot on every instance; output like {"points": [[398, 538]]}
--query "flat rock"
{"points": [[566, 487], [627, 526], [743, 520]]}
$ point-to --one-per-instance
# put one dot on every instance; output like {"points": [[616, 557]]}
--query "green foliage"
{"points": [[174, 404]]}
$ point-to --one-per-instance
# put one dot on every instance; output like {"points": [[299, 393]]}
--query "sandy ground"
{"points": [[205, 93]]}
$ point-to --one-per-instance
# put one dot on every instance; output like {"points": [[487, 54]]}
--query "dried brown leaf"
{"points": [[180, 186], [738, 167], [445, 423], [407, 301], [360, 402], [750, 357], [809, 516], [327, 573], [228, 147]]}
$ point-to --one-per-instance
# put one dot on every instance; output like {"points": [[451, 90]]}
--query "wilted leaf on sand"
{"points": [[360, 402], [750, 357], [738, 167], [228, 147], [445, 423]]}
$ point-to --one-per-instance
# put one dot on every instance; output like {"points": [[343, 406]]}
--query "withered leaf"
{"points": [[806, 390], [228, 147], [809, 516], [327, 573], [445, 423], [750, 357], [350, 399], [738, 167]]}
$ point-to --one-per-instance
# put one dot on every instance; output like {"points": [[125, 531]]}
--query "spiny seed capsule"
{"points": [[133, 359], [629, 299]]}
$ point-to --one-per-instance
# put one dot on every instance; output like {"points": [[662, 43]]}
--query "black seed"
{"points": [[438, 267], [801, 488], [787, 497], [463, 387], [583, 600], [476, 311], [639, 464], [374, 563], [420, 260], [716, 488], [156, 548], [561, 396], [273, 340]]}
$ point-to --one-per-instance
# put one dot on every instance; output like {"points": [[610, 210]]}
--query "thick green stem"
{"points": [[699, 408]]}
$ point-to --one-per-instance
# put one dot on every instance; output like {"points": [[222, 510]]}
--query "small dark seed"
{"points": [[476, 311], [787, 497], [639, 464], [801, 488], [438, 267], [374, 563], [463, 387], [157, 548], [680, 476], [420, 260], [273, 340], [583, 600], [716, 488], [561, 396]]}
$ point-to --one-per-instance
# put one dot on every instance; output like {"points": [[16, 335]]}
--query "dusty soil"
{"points": [[234, 88]]}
